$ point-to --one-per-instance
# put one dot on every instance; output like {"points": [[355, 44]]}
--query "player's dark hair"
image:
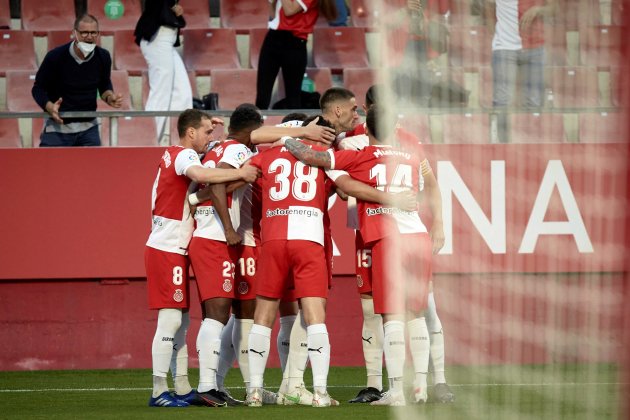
{"points": [[378, 124], [372, 95], [190, 118], [294, 116], [333, 95], [322, 121], [245, 116]]}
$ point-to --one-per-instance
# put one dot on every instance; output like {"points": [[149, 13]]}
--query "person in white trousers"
{"points": [[157, 33]]}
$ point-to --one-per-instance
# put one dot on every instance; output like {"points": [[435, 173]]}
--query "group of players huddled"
{"points": [[252, 219]]}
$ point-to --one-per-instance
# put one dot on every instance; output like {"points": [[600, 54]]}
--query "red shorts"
{"points": [[168, 284], [401, 273], [246, 272], [213, 264], [305, 260], [364, 265]]}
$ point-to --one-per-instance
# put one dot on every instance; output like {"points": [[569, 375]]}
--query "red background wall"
{"points": [[75, 222]]}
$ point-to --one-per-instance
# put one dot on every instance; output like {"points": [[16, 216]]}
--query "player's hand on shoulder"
{"points": [[249, 173], [319, 133], [405, 200]]}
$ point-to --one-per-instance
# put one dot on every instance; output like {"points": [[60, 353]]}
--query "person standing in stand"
{"points": [[284, 47], [157, 34], [70, 79]]}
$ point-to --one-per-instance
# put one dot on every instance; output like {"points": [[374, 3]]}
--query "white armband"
{"points": [[193, 199]]}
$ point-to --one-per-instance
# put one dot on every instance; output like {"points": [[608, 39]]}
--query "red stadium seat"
{"points": [[358, 81], [273, 119], [466, 129], [209, 49], [243, 15], [602, 127], [619, 86], [132, 131], [133, 10], [120, 82], [573, 14], [234, 86], [61, 37], [574, 87], [146, 87], [321, 77], [127, 55], [10, 133], [418, 124], [601, 45], [364, 14], [196, 13], [5, 15], [19, 85], [19, 99], [256, 38], [469, 47], [339, 48], [555, 45], [17, 51], [43, 16], [537, 128]]}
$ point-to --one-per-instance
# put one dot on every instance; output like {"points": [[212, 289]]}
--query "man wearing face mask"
{"points": [[69, 79]]}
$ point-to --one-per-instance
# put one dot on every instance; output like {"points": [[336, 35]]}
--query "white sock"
{"points": [[394, 349], [284, 338], [437, 342], [419, 346], [319, 354], [227, 356], [259, 344], [240, 340], [298, 352], [208, 349], [179, 359], [168, 322], [372, 341]]}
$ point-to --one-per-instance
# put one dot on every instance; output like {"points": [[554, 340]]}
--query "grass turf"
{"points": [[483, 392]]}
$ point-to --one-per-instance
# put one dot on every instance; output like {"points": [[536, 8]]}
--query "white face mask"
{"points": [[86, 48]]}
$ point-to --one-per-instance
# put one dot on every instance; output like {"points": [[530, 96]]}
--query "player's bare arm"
{"points": [[220, 206], [312, 131], [307, 155], [405, 200], [204, 175], [434, 200]]}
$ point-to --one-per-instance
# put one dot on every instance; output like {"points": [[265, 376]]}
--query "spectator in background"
{"points": [[157, 34], [70, 79], [425, 24], [284, 47], [518, 50], [342, 14]]}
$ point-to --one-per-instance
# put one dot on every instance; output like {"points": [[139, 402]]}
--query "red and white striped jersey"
{"points": [[172, 222], [300, 24], [388, 169], [208, 223], [294, 199]]}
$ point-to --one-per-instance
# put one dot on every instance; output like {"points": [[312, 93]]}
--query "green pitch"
{"points": [[484, 392]]}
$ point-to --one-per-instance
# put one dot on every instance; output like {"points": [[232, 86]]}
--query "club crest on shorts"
{"points": [[359, 280], [243, 288], [227, 286], [178, 296]]}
